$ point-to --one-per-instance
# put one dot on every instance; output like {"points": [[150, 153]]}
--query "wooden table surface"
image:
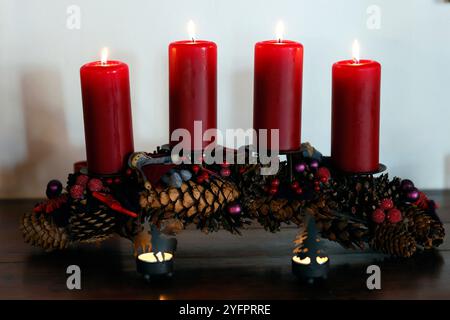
{"points": [[255, 265]]}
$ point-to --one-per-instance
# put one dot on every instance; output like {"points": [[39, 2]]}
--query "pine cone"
{"points": [[393, 239], [191, 199], [271, 212], [346, 230], [427, 231], [92, 226], [41, 231]]}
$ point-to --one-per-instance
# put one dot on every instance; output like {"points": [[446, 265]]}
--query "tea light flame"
{"points": [[305, 261], [356, 51], [279, 31], [104, 56], [151, 257], [191, 30]]}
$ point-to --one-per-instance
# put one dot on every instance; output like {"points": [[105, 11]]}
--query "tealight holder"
{"points": [[157, 263], [152, 265], [310, 262]]}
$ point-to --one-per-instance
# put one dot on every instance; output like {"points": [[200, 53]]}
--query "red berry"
{"points": [[323, 174], [225, 164], [394, 216], [275, 182], [273, 190], [378, 216], [295, 185], [205, 175], [200, 179], [95, 185], [117, 180], [317, 188], [299, 190], [76, 191], [109, 181], [128, 172], [386, 204], [196, 168], [225, 172], [82, 180]]}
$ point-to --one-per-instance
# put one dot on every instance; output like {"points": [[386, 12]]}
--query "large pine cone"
{"points": [[40, 230], [191, 198], [92, 226], [393, 239], [426, 230]]}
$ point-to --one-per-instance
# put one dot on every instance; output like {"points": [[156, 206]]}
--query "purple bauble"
{"points": [[413, 195], [54, 188], [314, 164], [407, 185], [234, 209], [300, 167]]}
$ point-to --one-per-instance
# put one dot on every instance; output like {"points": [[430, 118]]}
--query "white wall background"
{"points": [[41, 126]]}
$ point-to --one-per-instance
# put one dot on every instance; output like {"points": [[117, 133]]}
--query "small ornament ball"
{"points": [[413, 195], [378, 216], [406, 185], [300, 167], [54, 189], [314, 164], [234, 209], [394, 216], [76, 192], [95, 185], [386, 204]]}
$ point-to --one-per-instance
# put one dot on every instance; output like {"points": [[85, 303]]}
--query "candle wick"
{"points": [[355, 60], [193, 39]]}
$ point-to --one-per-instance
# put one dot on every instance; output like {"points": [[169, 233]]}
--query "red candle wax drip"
{"points": [[278, 91], [192, 89], [107, 115], [355, 115]]}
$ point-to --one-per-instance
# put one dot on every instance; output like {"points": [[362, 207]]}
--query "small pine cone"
{"points": [[394, 240], [282, 210], [91, 227], [40, 230]]}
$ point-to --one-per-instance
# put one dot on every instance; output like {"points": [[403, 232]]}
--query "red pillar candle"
{"points": [[192, 88], [277, 101], [108, 128], [355, 114]]}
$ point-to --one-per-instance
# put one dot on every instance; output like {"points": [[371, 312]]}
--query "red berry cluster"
{"points": [[387, 210], [201, 174], [295, 186], [274, 186], [83, 182], [225, 170]]}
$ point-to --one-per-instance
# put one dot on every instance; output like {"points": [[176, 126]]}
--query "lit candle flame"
{"points": [[356, 51], [280, 31], [104, 56], [151, 257], [191, 30]]}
